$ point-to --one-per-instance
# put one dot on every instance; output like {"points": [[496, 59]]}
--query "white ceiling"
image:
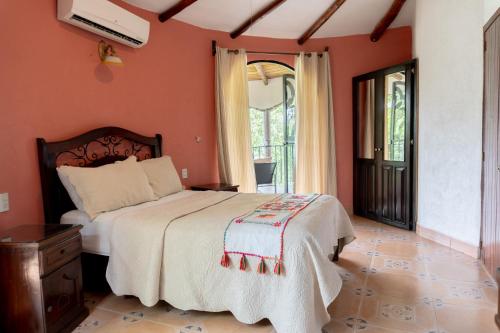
{"points": [[290, 20]]}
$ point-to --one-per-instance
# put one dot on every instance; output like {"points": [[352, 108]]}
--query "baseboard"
{"points": [[448, 241]]}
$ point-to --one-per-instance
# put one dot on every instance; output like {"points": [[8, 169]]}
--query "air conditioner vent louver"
{"points": [[107, 30]]}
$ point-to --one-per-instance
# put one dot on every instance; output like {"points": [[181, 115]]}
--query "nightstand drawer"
{"points": [[62, 295], [53, 257]]}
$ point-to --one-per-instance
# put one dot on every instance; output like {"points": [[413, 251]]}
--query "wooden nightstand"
{"points": [[216, 187], [41, 279]]}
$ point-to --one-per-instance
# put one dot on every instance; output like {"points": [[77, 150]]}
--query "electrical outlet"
{"points": [[4, 202], [184, 173]]}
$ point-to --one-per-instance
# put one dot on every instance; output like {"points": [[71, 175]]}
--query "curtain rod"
{"points": [[308, 54]]}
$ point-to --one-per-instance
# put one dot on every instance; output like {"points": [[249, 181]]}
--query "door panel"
{"points": [[490, 227], [366, 188], [400, 175], [387, 192], [383, 125]]}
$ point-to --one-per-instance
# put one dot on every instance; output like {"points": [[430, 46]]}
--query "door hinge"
{"points": [[483, 156], [485, 45]]}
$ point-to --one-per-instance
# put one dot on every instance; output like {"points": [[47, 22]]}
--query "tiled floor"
{"points": [[394, 281]]}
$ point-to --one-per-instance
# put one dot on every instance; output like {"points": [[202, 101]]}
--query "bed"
{"points": [[169, 249]]}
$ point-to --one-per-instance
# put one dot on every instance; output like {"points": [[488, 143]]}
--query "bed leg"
{"points": [[338, 249], [336, 254]]}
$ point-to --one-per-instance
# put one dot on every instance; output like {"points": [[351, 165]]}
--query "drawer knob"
{"points": [[49, 308], [62, 251]]}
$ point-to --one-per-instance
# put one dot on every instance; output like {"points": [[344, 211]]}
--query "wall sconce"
{"points": [[108, 55]]}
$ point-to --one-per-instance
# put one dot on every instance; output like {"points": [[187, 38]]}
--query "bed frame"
{"points": [[95, 148]]}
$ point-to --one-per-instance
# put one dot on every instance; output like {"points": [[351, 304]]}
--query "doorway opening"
{"points": [[384, 156], [271, 86]]}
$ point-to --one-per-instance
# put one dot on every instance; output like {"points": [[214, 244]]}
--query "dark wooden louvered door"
{"points": [[383, 157], [490, 233]]}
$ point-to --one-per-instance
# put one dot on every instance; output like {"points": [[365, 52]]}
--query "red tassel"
{"points": [[279, 268], [243, 263], [225, 261], [261, 269]]}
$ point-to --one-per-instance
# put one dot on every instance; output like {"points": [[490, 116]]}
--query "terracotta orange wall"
{"points": [[52, 86]]}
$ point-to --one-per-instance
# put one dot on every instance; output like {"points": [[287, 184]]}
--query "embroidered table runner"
{"points": [[260, 233]]}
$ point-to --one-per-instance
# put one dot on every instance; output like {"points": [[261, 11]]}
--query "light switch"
{"points": [[184, 173], [4, 202]]}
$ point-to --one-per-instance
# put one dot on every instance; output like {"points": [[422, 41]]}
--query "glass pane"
{"points": [[394, 117], [366, 119]]}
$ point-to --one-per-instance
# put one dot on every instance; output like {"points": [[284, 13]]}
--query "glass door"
{"points": [[393, 162], [383, 164]]}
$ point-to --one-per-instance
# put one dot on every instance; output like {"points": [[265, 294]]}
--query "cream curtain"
{"points": [[315, 140], [233, 121]]}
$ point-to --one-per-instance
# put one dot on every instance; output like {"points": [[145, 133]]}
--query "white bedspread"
{"points": [[171, 251]]}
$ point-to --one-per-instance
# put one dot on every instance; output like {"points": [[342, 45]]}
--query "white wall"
{"points": [[448, 44], [490, 7]]}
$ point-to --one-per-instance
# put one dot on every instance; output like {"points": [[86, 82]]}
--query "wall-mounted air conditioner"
{"points": [[105, 19]]}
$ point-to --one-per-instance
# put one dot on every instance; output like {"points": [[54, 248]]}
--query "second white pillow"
{"points": [[162, 176]]}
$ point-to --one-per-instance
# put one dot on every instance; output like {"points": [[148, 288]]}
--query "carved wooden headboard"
{"points": [[95, 148]]}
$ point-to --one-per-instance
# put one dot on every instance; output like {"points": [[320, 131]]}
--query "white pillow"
{"points": [[106, 188], [70, 188], [162, 175]]}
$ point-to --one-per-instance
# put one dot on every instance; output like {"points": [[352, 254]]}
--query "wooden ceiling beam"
{"points": [[256, 17], [320, 21], [386, 21], [176, 9], [262, 73]]}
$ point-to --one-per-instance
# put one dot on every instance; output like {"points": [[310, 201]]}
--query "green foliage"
{"points": [[395, 124], [257, 127]]}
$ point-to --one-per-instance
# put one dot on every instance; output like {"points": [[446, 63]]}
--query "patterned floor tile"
{"points": [[337, 327], [346, 304], [126, 324], [456, 319], [398, 265], [457, 270], [402, 314], [96, 319], [405, 286], [469, 294]]}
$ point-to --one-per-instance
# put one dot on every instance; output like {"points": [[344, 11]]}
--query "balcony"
{"points": [[284, 175]]}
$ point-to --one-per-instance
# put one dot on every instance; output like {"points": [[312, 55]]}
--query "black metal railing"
{"points": [[396, 150], [284, 156]]}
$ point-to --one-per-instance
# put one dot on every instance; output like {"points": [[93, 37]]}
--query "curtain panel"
{"points": [[233, 120], [316, 163], [366, 119]]}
